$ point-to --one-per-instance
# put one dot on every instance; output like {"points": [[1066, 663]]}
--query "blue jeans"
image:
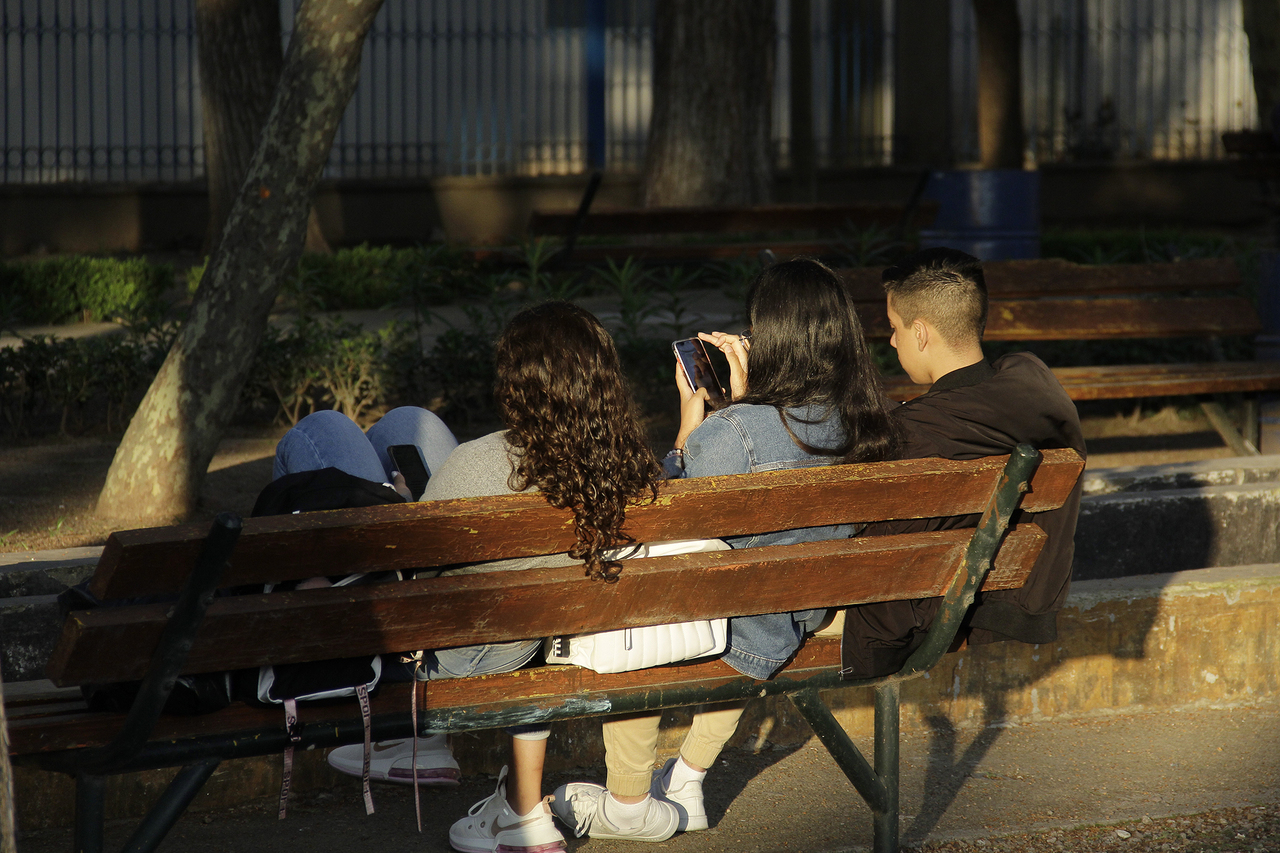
{"points": [[329, 439]]}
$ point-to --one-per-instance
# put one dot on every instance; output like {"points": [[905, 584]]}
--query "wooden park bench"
{"points": [[1055, 300], [717, 233], [154, 642]]}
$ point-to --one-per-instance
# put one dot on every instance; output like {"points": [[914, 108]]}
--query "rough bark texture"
{"points": [[8, 828], [1000, 134], [712, 103], [804, 159], [238, 42], [1262, 26], [159, 465]]}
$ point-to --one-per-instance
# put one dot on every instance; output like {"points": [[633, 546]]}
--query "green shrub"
{"points": [[68, 288], [374, 277]]}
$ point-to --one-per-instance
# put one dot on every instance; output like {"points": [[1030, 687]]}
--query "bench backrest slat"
{"points": [[1056, 277], [113, 644], [722, 220], [439, 533], [1097, 319]]}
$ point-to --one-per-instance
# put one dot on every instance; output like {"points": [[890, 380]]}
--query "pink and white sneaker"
{"points": [[392, 761], [492, 827]]}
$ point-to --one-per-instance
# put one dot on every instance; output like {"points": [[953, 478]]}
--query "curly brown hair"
{"points": [[571, 419]]}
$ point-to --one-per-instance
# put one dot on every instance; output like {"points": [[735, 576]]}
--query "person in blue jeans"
{"points": [[572, 436], [812, 397]]}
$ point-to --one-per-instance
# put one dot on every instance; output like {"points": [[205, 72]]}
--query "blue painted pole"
{"points": [[595, 83]]}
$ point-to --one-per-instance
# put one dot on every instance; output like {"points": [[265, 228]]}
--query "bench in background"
{"points": [[693, 234], [1055, 300]]}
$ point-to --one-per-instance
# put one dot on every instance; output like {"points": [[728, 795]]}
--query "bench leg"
{"points": [[172, 803], [1252, 428], [1221, 421], [90, 796], [878, 786], [887, 716]]}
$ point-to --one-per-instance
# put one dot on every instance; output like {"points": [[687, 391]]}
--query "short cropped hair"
{"points": [[944, 287]]}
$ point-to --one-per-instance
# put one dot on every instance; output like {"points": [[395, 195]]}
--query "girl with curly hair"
{"points": [[573, 436], [813, 397]]}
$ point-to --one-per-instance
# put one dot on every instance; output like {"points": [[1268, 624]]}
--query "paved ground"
{"points": [[968, 785]]}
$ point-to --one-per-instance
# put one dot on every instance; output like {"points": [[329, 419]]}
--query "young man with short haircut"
{"points": [[937, 306]]}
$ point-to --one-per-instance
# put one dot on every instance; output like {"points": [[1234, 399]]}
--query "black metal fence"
{"points": [[108, 90]]}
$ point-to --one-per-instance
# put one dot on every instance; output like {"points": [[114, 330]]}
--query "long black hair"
{"points": [[562, 394], [807, 348]]}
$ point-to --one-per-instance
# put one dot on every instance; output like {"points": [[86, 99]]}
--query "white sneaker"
{"points": [[492, 827], [687, 799], [581, 806], [392, 761]]}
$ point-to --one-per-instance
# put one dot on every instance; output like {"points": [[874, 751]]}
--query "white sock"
{"points": [[624, 815], [681, 773]]}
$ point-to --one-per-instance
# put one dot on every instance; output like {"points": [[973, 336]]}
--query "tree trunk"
{"points": [[8, 826], [1262, 26], [238, 43], [804, 158], [1000, 134], [709, 139], [157, 470]]}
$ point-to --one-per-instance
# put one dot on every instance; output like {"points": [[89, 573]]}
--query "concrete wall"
{"points": [[475, 210]]}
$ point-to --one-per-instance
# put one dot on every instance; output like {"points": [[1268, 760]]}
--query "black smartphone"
{"points": [[408, 460], [698, 370]]}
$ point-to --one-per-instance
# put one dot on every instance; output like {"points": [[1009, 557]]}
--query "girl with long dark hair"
{"points": [[812, 397]]}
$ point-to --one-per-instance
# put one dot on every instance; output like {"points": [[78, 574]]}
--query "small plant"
{"points": [[734, 279], [629, 282], [541, 283], [460, 368], [871, 246], [673, 285]]}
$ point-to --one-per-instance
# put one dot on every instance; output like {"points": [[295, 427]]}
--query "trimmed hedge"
{"points": [[70, 288]]}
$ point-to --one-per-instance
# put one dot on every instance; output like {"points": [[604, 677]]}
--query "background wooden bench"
{"points": [[1055, 300], [691, 234], [155, 641]]}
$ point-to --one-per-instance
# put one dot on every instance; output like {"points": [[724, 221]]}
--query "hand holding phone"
{"points": [[692, 355], [408, 461]]}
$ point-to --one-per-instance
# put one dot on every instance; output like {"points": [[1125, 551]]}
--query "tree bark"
{"points": [[156, 474], [709, 137], [8, 825], [804, 158], [240, 57], [1262, 26], [1000, 134]]}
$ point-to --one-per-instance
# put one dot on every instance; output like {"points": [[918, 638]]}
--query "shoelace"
{"points": [[584, 817]]}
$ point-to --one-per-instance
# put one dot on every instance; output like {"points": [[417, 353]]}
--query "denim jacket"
{"points": [[744, 439]]}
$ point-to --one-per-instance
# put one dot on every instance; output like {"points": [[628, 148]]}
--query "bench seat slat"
{"points": [[548, 686], [457, 610], [1099, 319], [422, 535], [1127, 381]]}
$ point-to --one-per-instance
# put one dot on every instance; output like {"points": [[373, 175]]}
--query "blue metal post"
{"points": [[595, 83]]}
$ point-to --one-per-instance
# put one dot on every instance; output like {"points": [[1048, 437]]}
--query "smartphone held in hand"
{"points": [[408, 461], [692, 354]]}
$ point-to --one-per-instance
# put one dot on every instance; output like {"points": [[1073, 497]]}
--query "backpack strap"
{"points": [[362, 693], [295, 735]]}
